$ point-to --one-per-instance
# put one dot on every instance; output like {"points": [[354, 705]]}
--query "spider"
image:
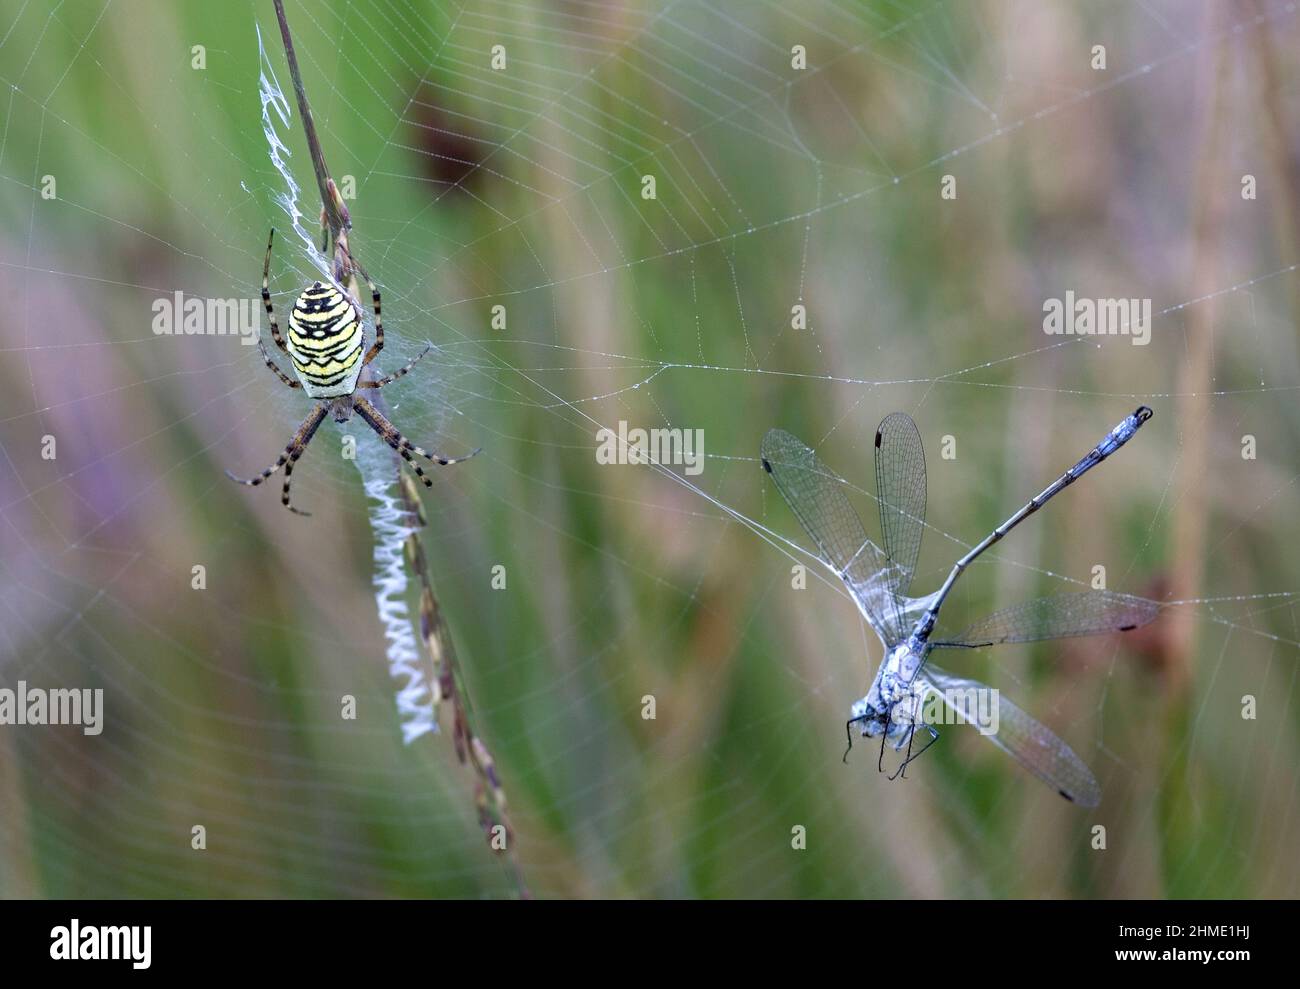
{"points": [[324, 346]]}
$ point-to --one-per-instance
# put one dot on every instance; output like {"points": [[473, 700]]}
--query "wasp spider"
{"points": [[324, 345]]}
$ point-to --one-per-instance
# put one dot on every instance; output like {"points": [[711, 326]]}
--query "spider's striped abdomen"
{"points": [[325, 341]]}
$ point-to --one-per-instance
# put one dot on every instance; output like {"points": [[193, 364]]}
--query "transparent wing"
{"points": [[814, 494], [1056, 617], [1033, 745], [900, 483]]}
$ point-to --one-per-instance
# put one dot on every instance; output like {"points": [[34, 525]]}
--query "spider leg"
{"points": [[388, 432], [378, 345], [389, 379], [291, 452], [288, 476], [278, 373], [436, 457], [266, 296]]}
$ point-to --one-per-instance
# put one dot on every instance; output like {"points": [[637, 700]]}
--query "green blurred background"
{"points": [[776, 186]]}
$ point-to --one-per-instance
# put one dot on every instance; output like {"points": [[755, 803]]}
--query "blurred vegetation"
{"points": [[775, 186]]}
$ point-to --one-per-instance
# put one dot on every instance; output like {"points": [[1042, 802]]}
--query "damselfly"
{"points": [[880, 581]]}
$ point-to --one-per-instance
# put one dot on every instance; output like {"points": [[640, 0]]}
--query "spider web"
{"points": [[775, 187]]}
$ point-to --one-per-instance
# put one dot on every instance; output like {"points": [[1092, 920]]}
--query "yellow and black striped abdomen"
{"points": [[325, 341]]}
